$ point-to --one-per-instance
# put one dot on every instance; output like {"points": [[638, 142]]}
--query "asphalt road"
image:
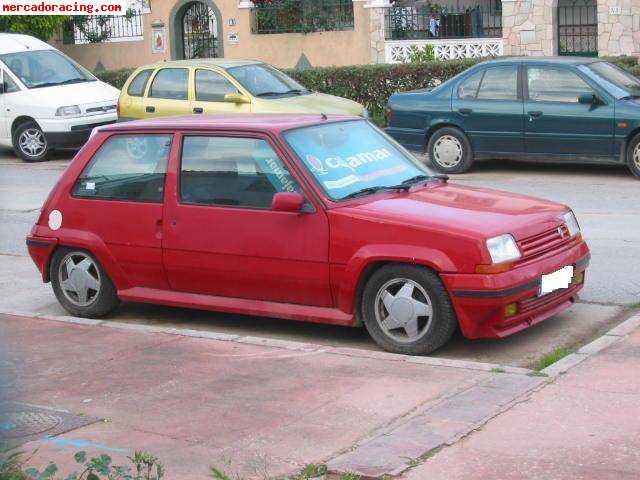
{"points": [[604, 199]]}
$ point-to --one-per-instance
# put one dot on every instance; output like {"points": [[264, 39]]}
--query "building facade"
{"points": [[302, 33]]}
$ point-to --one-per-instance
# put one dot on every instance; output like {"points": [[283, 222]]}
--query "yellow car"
{"points": [[221, 86]]}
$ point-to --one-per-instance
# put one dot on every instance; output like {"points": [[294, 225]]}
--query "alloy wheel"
{"points": [[79, 279], [403, 310], [448, 151], [32, 142], [636, 156]]}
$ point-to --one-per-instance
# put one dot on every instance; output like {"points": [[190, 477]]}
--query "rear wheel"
{"points": [[81, 285], [30, 142], [406, 309], [633, 155], [450, 151]]}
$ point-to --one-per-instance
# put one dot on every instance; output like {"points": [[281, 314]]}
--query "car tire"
{"points": [[81, 285], [392, 303], [450, 151], [30, 143], [633, 155]]}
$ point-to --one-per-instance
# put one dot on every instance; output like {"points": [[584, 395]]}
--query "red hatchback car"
{"points": [[301, 217]]}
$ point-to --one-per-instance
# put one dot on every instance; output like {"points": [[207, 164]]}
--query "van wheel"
{"points": [[30, 143], [633, 155], [81, 285], [406, 309], [450, 151]]}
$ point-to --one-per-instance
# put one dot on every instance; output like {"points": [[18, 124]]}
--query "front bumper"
{"points": [[480, 300], [73, 132]]}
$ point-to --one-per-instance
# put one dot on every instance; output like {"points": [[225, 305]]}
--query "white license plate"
{"points": [[556, 280]]}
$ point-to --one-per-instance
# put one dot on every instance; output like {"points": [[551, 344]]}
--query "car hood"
{"points": [[311, 103], [468, 211], [73, 94]]}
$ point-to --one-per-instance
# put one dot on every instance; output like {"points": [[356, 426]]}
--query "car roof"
{"points": [[266, 122], [208, 62], [569, 60], [15, 42]]}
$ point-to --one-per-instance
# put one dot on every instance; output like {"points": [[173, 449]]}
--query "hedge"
{"points": [[372, 85]]}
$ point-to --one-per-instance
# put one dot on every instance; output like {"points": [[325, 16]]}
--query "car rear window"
{"points": [[127, 167], [139, 83], [171, 83]]}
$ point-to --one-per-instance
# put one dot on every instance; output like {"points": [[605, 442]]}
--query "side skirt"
{"points": [[287, 311]]}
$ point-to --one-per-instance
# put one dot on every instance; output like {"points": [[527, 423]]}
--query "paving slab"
{"points": [[584, 425], [197, 401]]}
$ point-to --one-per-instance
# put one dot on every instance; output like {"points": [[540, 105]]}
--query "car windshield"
{"points": [[616, 76], [354, 158], [45, 68], [263, 81]]}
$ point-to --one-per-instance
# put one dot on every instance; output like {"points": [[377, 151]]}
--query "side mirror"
{"points": [[588, 99], [236, 98], [287, 202]]}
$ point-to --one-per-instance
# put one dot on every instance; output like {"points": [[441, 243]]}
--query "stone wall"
{"points": [[618, 27], [528, 27]]}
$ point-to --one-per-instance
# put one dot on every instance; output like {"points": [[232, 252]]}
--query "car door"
{"points": [[223, 239], [556, 123], [7, 98], [488, 105], [118, 199], [210, 90], [168, 93], [133, 103]]}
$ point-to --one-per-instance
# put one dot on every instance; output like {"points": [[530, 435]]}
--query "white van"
{"points": [[47, 100]]}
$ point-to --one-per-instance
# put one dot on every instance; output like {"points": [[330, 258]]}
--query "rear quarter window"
{"points": [[139, 83], [127, 167]]}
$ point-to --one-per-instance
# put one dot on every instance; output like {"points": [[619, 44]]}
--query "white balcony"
{"points": [[397, 51]]}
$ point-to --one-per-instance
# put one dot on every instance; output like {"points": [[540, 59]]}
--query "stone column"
{"points": [[618, 27], [377, 10], [529, 27]]}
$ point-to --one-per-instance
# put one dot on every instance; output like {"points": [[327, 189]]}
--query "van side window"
{"points": [[226, 171], [139, 83], [9, 85], [171, 83], [127, 167], [212, 87]]}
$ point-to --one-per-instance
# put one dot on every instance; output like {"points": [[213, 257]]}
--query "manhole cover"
{"points": [[23, 424]]}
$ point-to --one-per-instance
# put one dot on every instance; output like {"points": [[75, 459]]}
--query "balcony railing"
{"points": [[301, 16], [103, 28], [422, 22]]}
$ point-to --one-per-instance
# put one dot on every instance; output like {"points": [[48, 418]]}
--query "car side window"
{"points": [[139, 83], [212, 87], [226, 171], [468, 88], [546, 84], [499, 83], [171, 83], [127, 167], [9, 85]]}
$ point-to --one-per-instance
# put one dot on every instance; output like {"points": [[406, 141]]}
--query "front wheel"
{"points": [[406, 309], [450, 151], [81, 285], [633, 155], [30, 143]]}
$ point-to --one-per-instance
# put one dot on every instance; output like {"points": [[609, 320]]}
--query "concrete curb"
{"points": [[612, 337], [281, 344]]}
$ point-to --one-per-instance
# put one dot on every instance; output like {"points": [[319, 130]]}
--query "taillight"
{"points": [[388, 113]]}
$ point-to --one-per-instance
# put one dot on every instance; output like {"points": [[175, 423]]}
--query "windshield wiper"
{"points": [[65, 82], [297, 91], [405, 185]]}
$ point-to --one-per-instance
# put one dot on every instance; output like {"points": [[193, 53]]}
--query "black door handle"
{"points": [[465, 111], [535, 114], [198, 110], [150, 109]]}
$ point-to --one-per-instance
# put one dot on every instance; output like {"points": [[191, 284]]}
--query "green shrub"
{"points": [[372, 85], [114, 77]]}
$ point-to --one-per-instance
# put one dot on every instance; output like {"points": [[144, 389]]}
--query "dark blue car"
{"points": [[541, 109]]}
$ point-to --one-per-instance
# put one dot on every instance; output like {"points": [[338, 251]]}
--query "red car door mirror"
{"points": [[287, 202]]}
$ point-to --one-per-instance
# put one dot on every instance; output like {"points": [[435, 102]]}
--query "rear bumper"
{"points": [[480, 300], [40, 250]]}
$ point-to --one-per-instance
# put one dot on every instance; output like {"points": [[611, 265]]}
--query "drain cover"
{"points": [[23, 423]]}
